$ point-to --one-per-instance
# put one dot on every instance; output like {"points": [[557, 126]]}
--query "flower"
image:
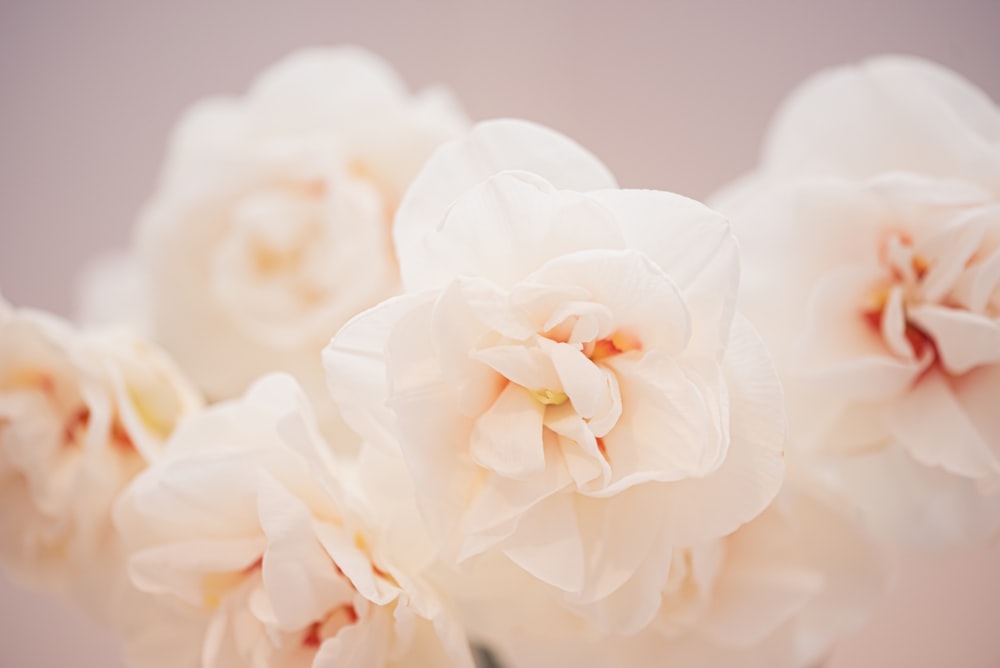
{"points": [[565, 378], [776, 593], [80, 415], [871, 234], [244, 527], [270, 226]]}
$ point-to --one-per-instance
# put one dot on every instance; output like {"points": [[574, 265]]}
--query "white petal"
{"points": [[751, 474], [934, 429], [490, 148], [963, 340], [842, 349], [547, 544], [976, 392], [893, 324], [462, 320], [180, 568], [508, 437], [671, 426], [887, 114], [301, 582], [317, 82], [924, 507], [354, 362], [358, 645], [692, 244], [583, 382], [500, 502], [529, 367], [950, 250], [979, 283], [643, 300], [621, 550], [505, 228]]}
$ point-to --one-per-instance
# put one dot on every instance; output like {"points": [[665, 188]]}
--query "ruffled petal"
{"points": [[963, 340], [490, 148], [931, 425], [505, 228]]}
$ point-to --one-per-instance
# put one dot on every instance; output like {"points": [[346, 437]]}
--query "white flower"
{"points": [[270, 227], [871, 234], [566, 380], [80, 415], [776, 593], [245, 527]]}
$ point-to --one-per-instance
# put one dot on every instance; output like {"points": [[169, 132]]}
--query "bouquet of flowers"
{"points": [[378, 387]]}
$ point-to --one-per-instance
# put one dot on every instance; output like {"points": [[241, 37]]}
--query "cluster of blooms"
{"points": [[374, 386]]}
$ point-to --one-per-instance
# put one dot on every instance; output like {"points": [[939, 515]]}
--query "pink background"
{"points": [[671, 95]]}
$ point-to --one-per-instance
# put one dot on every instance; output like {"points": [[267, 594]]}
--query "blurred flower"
{"points": [[244, 528], [871, 234], [270, 227], [776, 593], [566, 379], [80, 415]]}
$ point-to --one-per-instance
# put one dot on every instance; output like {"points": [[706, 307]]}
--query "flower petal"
{"points": [[887, 114], [934, 429], [354, 362], [700, 509], [508, 437], [691, 243], [840, 347], [505, 228], [548, 545], [963, 340], [490, 147]]}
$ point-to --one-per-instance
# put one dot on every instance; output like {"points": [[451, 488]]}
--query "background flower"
{"points": [[270, 225], [776, 593], [80, 415], [244, 527], [872, 237]]}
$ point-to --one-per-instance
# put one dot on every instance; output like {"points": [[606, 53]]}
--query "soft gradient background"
{"points": [[672, 95]]}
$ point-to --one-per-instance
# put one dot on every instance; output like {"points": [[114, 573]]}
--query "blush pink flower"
{"points": [[871, 234], [776, 593], [253, 555], [80, 414], [270, 227]]}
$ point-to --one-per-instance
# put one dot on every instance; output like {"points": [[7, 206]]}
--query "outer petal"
{"points": [[490, 148], [354, 362], [931, 425], [750, 476], [963, 340], [297, 573], [508, 437], [888, 114], [924, 507], [503, 229], [693, 245]]}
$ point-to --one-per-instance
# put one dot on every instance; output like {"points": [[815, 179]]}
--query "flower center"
{"points": [[549, 397], [617, 343], [907, 270], [340, 617]]}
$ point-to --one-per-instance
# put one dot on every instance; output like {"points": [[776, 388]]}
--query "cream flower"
{"points": [[566, 380], [776, 593], [270, 227], [871, 235], [245, 526], [80, 415]]}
